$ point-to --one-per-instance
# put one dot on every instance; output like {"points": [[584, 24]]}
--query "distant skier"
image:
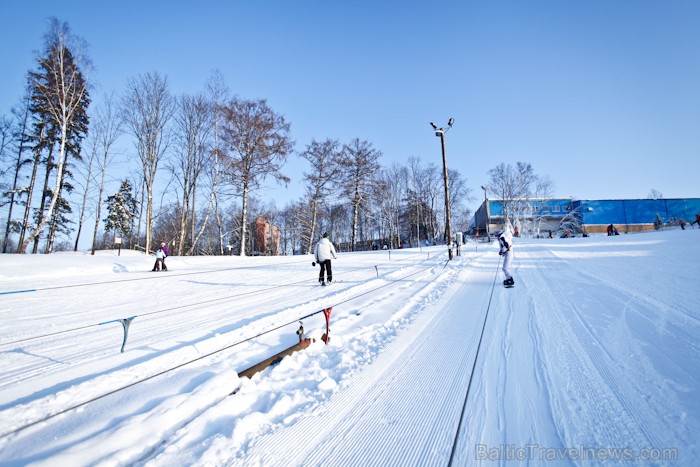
{"points": [[505, 241], [323, 253], [166, 253], [160, 260], [696, 221]]}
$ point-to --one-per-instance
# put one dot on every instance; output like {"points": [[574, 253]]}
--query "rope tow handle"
{"points": [[125, 325], [327, 313]]}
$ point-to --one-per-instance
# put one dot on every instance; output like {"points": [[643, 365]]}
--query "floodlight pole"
{"points": [[486, 207], [440, 132]]}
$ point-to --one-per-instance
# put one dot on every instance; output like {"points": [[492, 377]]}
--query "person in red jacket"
{"points": [[696, 221]]}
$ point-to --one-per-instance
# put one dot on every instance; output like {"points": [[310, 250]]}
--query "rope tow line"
{"points": [[58, 287], [227, 297]]}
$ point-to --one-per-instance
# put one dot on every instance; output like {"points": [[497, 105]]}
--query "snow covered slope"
{"points": [[594, 355]]}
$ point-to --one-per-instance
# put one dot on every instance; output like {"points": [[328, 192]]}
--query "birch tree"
{"points": [[360, 167], [148, 108], [256, 141], [193, 122], [218, 92], [60, 94], [324, 157], [108, 127]]}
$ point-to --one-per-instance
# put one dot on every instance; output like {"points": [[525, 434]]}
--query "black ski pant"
{"points": [[325, 266]]}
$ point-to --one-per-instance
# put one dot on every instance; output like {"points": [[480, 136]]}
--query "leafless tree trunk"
{"points": [[142, 205], [107, 128], [360, 167], [431, 186], [22, 116], [92, 155], [193, 122], [218, 93], [147, 109], [42, 218], [324, 158]]}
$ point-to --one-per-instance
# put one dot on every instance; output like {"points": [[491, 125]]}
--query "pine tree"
{"points": [[121, 208]]}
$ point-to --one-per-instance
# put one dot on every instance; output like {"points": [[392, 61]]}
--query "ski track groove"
{"points": [[630, 411], [639, 295], [580, 396]]}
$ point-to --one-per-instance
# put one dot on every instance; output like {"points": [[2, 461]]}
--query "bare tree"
{"points": [[193, 127], [655, 194], [15, 136], [87, 168], [147, 109], [257, 143], [513, 185], [360, 167], [324, 157], [393, 190], [107, 128], [218, 92], [544, 190], [60, 92], [432, 193], [459, 195]]}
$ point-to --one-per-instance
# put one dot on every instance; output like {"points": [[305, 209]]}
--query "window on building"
{"points": [[556, 208]]}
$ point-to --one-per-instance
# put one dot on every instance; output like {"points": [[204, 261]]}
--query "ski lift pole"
{"points": [[125, 325]]}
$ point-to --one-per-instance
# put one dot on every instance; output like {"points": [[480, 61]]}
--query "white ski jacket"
{"points": [[324, 250], [506, 241]]}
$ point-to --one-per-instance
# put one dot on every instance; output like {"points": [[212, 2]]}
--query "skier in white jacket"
{"points": [[505, 241], [323, 253]]}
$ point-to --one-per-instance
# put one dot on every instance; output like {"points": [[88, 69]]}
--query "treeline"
{"points": [[212, 151]]}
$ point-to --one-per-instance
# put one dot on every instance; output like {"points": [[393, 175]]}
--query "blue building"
{"points": [[627, 215]]}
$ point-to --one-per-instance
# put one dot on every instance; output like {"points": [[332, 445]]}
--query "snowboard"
{"points": [[509, 286]]}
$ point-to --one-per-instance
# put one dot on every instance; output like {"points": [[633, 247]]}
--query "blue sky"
{"points": [[602, 96]]}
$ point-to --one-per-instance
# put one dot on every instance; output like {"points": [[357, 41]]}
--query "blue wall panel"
{"points": [[638, 211], [616, 211], [603, 212], [643, 211]]}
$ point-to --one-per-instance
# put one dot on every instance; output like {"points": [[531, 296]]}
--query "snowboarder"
{"points": [[505, 241], [681, 222], [323, 253], [160, 258]]}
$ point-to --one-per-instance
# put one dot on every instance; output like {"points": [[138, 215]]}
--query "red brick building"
{"points": [[266, 238]]}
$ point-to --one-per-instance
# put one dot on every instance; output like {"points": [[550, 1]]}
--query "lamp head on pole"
{"points": [[440, 132]]}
